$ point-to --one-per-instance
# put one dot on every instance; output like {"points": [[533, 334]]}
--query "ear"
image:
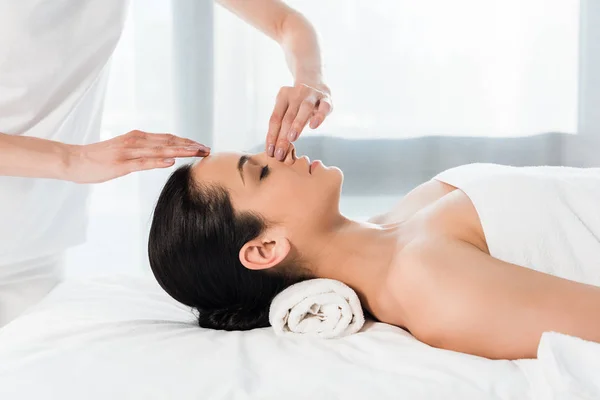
{"points": [[266, 251]]}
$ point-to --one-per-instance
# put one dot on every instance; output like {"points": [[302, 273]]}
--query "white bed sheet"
{"points": [[123, 338]]}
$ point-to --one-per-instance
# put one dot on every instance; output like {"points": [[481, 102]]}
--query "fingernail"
{"points": [[279, 154], [292, 135], [314, 123], [271, 150], [169, 160], [194, 148], [200, 145]]}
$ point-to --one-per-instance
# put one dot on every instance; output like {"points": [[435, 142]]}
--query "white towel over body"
{"points": [[567, 368], [317, 307], [542, 218]]}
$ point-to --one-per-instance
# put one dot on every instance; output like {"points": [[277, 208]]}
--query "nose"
{"points": [[291, 158]]}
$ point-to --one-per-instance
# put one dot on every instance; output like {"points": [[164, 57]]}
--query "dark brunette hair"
{"points": [[194, 245]]}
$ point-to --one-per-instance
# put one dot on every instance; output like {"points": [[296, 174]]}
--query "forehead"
{"points": [[217, 167]]}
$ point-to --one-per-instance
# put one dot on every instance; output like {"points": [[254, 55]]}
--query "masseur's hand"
{"points": [[295, 107], [133, 151]]}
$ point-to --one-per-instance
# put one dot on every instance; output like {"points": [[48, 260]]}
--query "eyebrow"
{"points": [[240, 166]]}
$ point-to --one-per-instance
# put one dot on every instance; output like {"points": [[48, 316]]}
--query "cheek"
{"points": [[286, 199], [275, 201], [294, 199]]}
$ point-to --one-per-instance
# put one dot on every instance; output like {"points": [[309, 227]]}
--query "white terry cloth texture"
{"points": [[122, 337], [324, 308], [541, 218]]}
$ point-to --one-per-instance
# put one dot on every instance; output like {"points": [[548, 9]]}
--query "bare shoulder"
{"points": [[417, 199], [431, 281], [457, 297], [411, 294]]}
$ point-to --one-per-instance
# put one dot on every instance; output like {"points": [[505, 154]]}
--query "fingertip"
{"points": [[314, 123], [281, 151], [293, 135]]}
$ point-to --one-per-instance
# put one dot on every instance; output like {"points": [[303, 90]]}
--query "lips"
{"points": [[311, 165], [308, 163], [314, 164]]}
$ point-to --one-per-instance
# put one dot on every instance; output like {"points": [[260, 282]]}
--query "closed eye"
{"points": [[264, 172]]}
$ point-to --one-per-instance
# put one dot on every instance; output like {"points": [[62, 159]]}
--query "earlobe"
{"points": [[264, 253]]}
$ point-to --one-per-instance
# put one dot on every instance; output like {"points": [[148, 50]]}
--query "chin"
{"points": [[339, 175], [333, 171], [336, 180], [330, 173]]}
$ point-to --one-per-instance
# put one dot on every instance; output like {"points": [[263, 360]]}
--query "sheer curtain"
{"points": [[404, 68], [418, 86]]}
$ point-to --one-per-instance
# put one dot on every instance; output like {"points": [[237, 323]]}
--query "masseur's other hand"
{"points": [[295, 107], [133, 151]]}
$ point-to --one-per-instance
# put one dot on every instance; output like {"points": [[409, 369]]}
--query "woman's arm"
{"points": [[290, 29], [473, 303], [31, 157], [309, 98]]}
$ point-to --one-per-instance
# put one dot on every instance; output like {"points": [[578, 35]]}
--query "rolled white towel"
{"points": [[317, 307]]}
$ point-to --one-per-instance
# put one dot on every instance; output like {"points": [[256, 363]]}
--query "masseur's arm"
{"points": [[474, 303], [309, 100], [31, 157]]}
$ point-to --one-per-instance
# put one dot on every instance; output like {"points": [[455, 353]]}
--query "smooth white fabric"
{"points": [[124, 338], [53, 73], [542, 218], [567, 368], [25, 283], [324, 308], [53, 67]]}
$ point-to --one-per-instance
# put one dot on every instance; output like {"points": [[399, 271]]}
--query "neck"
{"points": [[356, 253]]}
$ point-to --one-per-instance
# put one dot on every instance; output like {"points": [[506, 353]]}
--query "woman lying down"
{"points": [[482, 259]]}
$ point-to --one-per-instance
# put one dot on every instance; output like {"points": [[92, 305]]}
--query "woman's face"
{"points": [[294, 194]]}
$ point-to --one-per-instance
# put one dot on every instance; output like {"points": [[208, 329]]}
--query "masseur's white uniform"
{"points": [[53, 71]]}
